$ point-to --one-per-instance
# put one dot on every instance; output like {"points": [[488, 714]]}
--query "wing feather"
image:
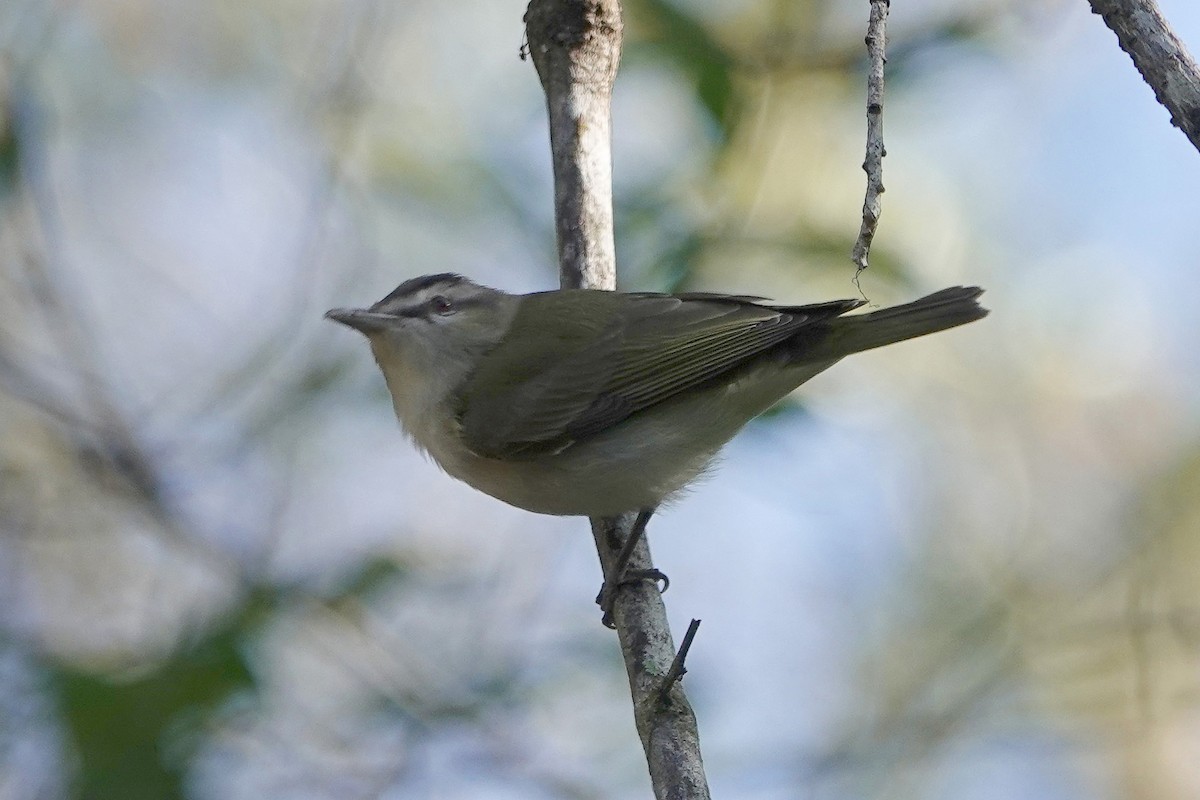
{"points": [[568, 370]]}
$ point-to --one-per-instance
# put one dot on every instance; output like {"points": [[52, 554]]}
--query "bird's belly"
{"points": [[637, 464], [588, 479]]}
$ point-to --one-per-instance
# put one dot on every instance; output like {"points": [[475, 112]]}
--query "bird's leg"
{"points": [[619, 575]]}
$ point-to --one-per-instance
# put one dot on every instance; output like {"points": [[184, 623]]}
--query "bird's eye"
{"points": [[441, 305]]}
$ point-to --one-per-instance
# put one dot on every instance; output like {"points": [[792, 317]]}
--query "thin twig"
{"points": [[678, 670], [1160, 56], [873, 162]]}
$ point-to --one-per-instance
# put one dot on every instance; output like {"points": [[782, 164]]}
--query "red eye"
{"points": [[441, 305]]}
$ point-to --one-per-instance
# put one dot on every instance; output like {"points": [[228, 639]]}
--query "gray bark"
{"points": [[873, 161], [1160, 56], [576, 46]]}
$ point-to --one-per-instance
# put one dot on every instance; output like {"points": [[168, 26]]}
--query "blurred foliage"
{"points": [[134, 736], [196, 550], [673, 35], [9, 152]]}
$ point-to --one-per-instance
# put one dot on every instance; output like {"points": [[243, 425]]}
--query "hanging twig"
{"points": [[873, 162]]}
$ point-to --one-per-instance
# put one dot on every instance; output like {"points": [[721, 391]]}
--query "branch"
{"points": [[1160, 56], [576, 46], [873, 162], [664, 718]]}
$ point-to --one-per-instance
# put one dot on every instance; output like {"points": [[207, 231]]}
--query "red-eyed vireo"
{"points": [[598, 403]]}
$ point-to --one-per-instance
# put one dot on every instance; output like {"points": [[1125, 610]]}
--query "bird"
{"points": [[598, 403]]}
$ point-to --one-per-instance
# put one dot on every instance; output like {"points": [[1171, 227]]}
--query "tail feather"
{"points": [[948, 308]]}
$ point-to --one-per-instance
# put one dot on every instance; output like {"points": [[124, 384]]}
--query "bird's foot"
{"points": [[618, 573], [608, 590]]}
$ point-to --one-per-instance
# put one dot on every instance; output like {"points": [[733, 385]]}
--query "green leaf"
{"points": [[134, 737], [693, 50]]}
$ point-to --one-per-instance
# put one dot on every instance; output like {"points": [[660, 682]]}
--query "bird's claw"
{"points": [[608, 590]]}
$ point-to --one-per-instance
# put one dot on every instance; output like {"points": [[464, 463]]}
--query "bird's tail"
{"points": [[948, 308]]}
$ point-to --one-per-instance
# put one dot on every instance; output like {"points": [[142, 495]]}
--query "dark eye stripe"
{"points": [[413, 286]]}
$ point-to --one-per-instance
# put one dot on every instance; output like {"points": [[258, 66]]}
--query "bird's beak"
{"points": [[361, 320]]}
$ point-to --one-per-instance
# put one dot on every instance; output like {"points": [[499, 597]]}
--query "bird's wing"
{"points": [[562, 373]]}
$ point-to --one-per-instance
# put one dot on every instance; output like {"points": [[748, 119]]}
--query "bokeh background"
{"points": [[966, 567]]}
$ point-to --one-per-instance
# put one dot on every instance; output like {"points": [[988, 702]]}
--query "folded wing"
{"points": [[568, 370]]}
